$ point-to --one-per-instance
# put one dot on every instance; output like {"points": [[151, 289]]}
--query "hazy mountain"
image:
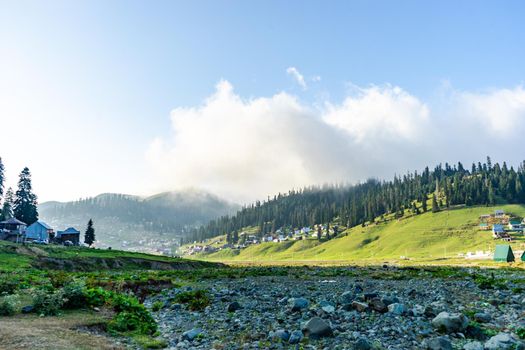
{"points": [[126, 221]]}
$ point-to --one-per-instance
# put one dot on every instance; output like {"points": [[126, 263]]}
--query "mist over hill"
{"points": [[133, 222]]}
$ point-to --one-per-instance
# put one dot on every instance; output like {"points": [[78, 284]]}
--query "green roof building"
{"points": [[504, 253], [523, 256]]}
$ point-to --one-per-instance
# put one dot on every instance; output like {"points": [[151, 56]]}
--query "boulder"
{"points": [[439, 343], [280, 334], [191, 334], [361, 307], [347, 297], [296, 337], [397, 308], [503, 341], [299, 304], [317, 328], [473, 345], [378, 305], [362, 344], [232, 307], [482, 317], [450, 322], [27, 309]]}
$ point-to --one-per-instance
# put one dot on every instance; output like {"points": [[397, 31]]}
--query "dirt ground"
{"points": [[72, 330]]}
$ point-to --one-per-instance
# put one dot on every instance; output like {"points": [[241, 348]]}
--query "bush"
{"points": [[521, 332], [131, 316], [74, 294], [47, 303], [97, 296], [8, 286], [196, 300], [157, 306], [8, 305]]}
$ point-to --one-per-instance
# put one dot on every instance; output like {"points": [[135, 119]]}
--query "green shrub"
{"points": [[74, 294], [8, 305], [131, 316], [97, 296], [59, 279], [521, 332], [47, 303], [8, 285], [196, 300], [157, 306]]}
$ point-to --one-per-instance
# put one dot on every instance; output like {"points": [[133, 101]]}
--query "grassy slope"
{"points": [[15, 256], [426, 236]]}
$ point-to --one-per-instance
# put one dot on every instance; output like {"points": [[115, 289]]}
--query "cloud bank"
{"points": [[246, 149]]}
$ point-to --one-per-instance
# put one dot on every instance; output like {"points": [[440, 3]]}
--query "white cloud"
{"points": [[298, 77], [248, 149]]}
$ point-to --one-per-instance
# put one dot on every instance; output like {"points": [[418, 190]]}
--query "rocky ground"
{"points": [[384, 309]]}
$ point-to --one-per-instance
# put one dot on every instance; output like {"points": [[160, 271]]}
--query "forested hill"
{"points": [[446, 185], [120, 217]]}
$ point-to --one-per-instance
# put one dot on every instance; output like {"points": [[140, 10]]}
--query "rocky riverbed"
{"points": [[364, 309]]}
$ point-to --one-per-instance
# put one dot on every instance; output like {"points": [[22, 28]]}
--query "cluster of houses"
{"points": [[39, 232], [501, 225], [246, 239]]}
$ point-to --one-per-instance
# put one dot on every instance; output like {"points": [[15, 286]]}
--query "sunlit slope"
{"points": [[429, 235]]}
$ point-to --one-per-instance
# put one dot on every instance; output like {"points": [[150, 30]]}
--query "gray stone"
{"points": [[299, 304], [397, 308], [361, 307], [191, 334], [27, 309], [450, 323], [232, 307], [503, 341], [473, 345], [482, 317], [362, 344], [378, 305], [296, 337], [347, 297], [439, 343], [280, 334], [316, 328]]}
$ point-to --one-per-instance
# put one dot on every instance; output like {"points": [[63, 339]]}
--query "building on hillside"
{"points": [[500, 214], [484, 226], [523, 256], [13, 230], [503, 253], [497, 230], [515, 225], [39, 231], [70, 234], [484, 217]]}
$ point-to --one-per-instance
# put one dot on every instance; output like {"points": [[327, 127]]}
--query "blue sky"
{"points": [[93, 83]]}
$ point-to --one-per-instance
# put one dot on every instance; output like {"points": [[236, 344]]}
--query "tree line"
{"points": [[351, 205], [21, 204]]}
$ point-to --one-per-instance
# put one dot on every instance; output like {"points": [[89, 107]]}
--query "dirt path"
{"points": [[68, 331]]}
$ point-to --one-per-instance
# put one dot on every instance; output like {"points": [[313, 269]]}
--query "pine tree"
{"points": [[228, 238], [2, 178], [25, 204], [89, 236], [435, 207], [319, 232], [7, 207], [235, 237], [424, 203]]}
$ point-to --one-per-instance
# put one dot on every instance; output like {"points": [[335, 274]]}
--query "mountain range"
{"points": [[138, 223]]}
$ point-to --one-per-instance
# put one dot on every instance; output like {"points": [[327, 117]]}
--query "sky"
{"points": [[249, 98]]}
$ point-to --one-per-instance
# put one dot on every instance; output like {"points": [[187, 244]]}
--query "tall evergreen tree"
{"points": [[25, 204], [7, 207], [435, 207], [2, 179], [89, 235]]}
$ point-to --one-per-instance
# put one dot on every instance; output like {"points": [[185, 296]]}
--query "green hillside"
{"points": [[424, 237]]}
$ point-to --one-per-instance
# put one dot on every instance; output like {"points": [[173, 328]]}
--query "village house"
{"points": [[68, 235], [499, 214], [515, 225], [13, 230], [484, 226], [497, 230], [39, 232]]}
